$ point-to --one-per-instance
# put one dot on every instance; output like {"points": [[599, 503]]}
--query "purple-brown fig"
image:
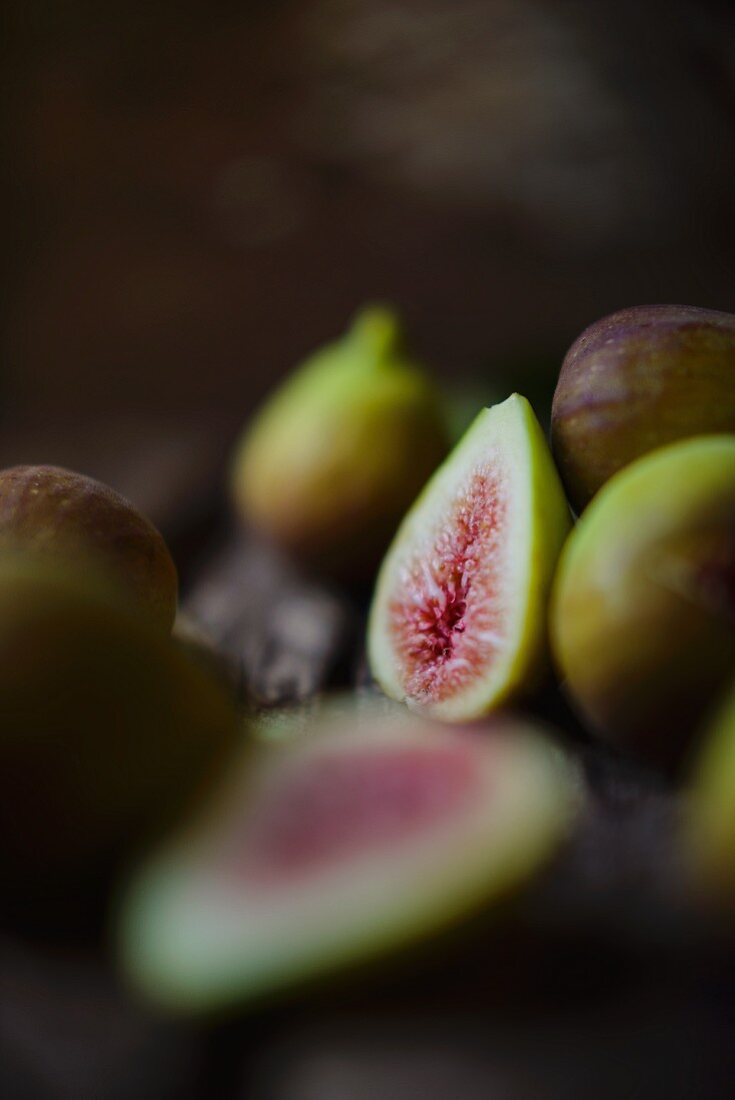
{"points": [[65, 516], [637, 380]]}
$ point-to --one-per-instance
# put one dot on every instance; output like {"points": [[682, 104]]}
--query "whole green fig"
{"points": [[637, 380], [335, 457], [106, 728], [643, 604]]}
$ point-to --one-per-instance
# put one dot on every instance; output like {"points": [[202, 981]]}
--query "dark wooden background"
{"points": [[194, 195]]}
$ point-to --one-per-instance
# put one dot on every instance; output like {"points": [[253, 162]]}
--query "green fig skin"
{"points": [[338, 453], [107, 730], [62, 515], [708, 834], [637, 380], [643, 608]]}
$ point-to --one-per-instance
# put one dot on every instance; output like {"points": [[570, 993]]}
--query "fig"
{"points": [[709, 826], [355, 837], [635, 381], [106, 728], [335, 457], [60, 514], [458, 621], [643, 606]]}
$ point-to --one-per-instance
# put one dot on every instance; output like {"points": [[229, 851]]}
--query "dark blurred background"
{"points": [[195, 194]]}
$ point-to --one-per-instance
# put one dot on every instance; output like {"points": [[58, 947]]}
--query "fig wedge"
{"points": [[458, 621], [355, 838]]}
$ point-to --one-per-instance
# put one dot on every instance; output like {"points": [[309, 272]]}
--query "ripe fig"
{"points": [[709, 827], [643, 608], [106, 728], [458, 622], [335, 457], [353, 838], [637, 380], [64, 515]]}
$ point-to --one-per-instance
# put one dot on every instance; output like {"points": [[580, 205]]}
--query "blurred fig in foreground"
{"points": [[637, 380], [351, 838], [66, 516], [106, 729], [338, 453], [643, 608]]}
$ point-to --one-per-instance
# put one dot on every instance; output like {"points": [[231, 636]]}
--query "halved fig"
{"points": [[458, 622], [356, 837]]}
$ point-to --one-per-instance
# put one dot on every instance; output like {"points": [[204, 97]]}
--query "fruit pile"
{"points": [[329, 837]]}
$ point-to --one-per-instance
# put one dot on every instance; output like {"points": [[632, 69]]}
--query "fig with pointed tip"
{"points": [[354, 838], [67, 516], [458, 622], [339, 452], [637, 380], [643, 608], [708, 839], [106, 728]]}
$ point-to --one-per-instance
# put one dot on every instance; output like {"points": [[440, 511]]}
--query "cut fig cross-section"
{"points": [[360, 835], [458, 622]]}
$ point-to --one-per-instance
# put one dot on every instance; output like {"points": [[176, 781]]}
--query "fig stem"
{"points": [[378, 333]]}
